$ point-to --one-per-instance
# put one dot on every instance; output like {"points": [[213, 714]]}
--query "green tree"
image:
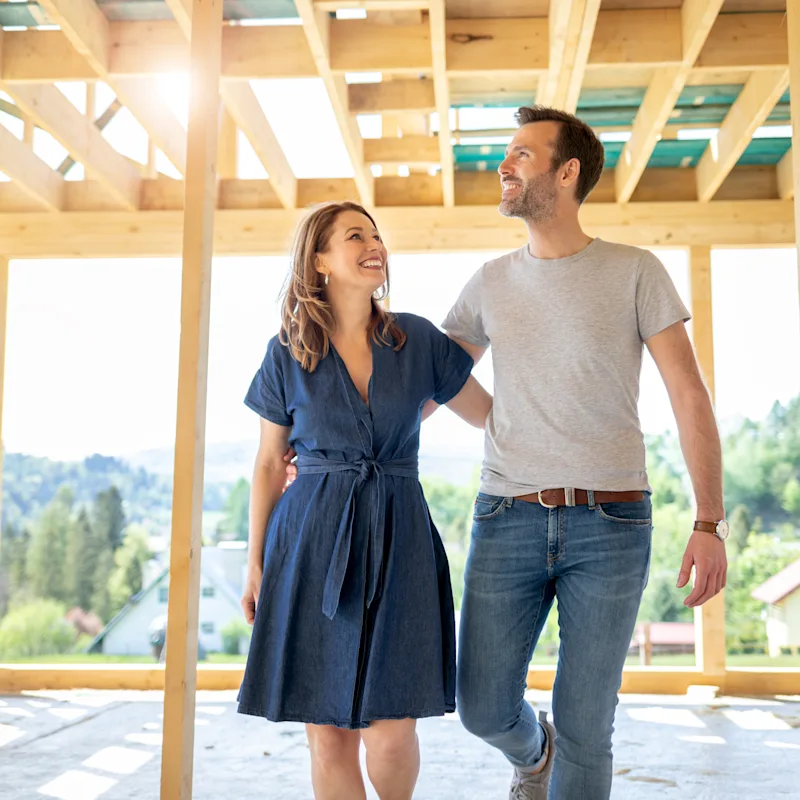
{"points": [[13, 552], [108, 520], [37, 628], [101, 594], [763, 557], [451, 508], [236, 522], [740, 527], [791, 498], [80, 562], [46, 555], [128, 575]]}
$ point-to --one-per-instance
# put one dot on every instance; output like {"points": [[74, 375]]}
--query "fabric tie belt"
{"points": [[367, 471]]}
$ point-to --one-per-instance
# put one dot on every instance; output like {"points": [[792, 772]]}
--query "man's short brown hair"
{"points": [[575, 140]]}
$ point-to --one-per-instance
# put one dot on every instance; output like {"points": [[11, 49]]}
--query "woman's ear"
{"points": [[319, 265]]}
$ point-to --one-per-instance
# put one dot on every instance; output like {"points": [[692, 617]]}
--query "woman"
{"points": [[348, 584]]}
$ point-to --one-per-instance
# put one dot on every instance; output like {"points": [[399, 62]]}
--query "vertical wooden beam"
{"points": [[27, 131], [709, 619], [228, 146], [91, 99], [793, 32], [187, 501], [441, 90], [150, 170], [3, 321]]}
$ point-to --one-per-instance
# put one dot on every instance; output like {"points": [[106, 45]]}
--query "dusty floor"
{"points": [[87, 745]]}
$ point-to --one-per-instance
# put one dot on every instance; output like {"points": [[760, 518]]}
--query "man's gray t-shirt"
{"points": [[567, 337]]}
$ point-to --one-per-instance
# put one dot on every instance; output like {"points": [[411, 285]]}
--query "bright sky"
{"points": [[92, 350]]}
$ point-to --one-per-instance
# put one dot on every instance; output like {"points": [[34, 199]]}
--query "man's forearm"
{"points": [[702, 451]]}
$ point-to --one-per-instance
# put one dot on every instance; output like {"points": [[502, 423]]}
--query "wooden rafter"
{"points": [[51, 110], [246, 111], [317, 27], [29, 172], [391, 97], [625, 43], [441, 90], [793, 156], [572, 26], [86, 28], [697, 19], [415, 151], [759, 96]]}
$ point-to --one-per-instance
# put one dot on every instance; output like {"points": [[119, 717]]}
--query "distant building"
{"points": [[222, 574], [781, 593]]}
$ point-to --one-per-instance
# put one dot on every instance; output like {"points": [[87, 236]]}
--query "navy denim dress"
{"points": [[354, 622]]}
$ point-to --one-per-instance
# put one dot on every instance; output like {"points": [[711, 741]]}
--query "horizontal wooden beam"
{"points": [[391, 97], [420, 151], [25, 168], [737, 681], [755, 103], [622, 44], [372, 5], [407, 229]]}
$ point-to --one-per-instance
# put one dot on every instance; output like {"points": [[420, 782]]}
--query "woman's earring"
{"points": [[326, 280]]}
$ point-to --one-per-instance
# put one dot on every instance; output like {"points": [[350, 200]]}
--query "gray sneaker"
{"points": [[525, 786]]}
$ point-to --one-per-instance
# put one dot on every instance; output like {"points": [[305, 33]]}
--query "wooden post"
{"points": [[187, 499], [150, 170], [709, 619], [793, 31], [91, 95], [645, 645], [227, 166], [3, 320]]}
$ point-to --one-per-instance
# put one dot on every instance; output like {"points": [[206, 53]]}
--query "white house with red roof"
{"points": [[781, 593]]}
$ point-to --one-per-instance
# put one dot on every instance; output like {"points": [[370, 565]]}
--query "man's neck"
{"points": [[556, 238]]}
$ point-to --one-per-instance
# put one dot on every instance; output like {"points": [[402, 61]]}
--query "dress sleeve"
{"points": [[451, 366], [267, 393], [465, 320], [658, 304]]}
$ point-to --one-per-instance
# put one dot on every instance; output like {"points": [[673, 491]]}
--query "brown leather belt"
{"points": [[553, 498]]}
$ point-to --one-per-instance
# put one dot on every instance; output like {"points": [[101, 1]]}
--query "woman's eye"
{"points": [[356, 235]]}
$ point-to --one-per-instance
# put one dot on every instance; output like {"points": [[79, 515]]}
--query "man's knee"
{"points": [[483, 719]]}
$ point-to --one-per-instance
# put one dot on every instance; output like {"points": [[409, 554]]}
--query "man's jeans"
{"points": [[594, 559]]}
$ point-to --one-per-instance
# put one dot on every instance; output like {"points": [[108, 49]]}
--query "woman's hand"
{"points": [[252, 589]]}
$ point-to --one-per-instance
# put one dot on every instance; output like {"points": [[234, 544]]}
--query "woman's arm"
{"points": [[269, 476], [472, 403]]}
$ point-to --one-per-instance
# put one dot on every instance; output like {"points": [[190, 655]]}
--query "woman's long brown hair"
{"points": [[307, 322]]}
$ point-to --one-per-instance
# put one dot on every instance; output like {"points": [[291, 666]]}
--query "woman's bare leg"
{"points": [[335, 768], [392, 757]]}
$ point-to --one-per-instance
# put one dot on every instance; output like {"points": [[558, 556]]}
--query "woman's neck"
{"points": [[352, 314]]}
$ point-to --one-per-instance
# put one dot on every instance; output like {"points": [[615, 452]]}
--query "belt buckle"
{"points": [[542, 502]]}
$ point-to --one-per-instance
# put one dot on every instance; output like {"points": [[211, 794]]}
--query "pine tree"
{"points": [[108, 520], [101, 596], [45, 563], [128, 576], [81, 562]]}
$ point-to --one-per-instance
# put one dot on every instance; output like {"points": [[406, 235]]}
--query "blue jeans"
{"points": [[594, 559]]}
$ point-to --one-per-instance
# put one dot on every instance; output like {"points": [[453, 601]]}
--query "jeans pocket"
{"points": [[638, 513], [488, 506]]}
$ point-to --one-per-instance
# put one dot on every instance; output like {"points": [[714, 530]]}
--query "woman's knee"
{"points": [[332, 746], [391, 740]]}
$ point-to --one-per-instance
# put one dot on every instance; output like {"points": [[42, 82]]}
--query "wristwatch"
{"points": [[719, 529]]}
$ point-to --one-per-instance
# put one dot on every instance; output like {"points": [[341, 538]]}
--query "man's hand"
{"points": [[291, 468], [706, 553]]}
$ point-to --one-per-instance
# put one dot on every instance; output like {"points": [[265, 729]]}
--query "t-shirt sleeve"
{"points": [[465, 320], [452, 366], [658, 304], [267, 393]]}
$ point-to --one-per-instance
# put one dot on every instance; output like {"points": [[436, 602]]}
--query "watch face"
{"points": [[722, 529]]}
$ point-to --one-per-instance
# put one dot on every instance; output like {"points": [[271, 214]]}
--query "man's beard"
{"points": [[535, 203]]}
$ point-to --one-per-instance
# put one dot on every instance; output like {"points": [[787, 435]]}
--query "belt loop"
{"points": [[590, 498], [569, 497]]}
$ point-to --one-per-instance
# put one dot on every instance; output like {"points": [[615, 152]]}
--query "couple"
{"points": [[348, 583]]}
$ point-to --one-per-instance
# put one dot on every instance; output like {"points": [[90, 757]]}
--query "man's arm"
{"points": [[475, 351], [674, 356]]}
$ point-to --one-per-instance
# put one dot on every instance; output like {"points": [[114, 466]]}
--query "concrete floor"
{"points": [[87, 745]]}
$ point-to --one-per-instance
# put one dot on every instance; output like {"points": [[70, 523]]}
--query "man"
{"points": [[564, 508]]}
